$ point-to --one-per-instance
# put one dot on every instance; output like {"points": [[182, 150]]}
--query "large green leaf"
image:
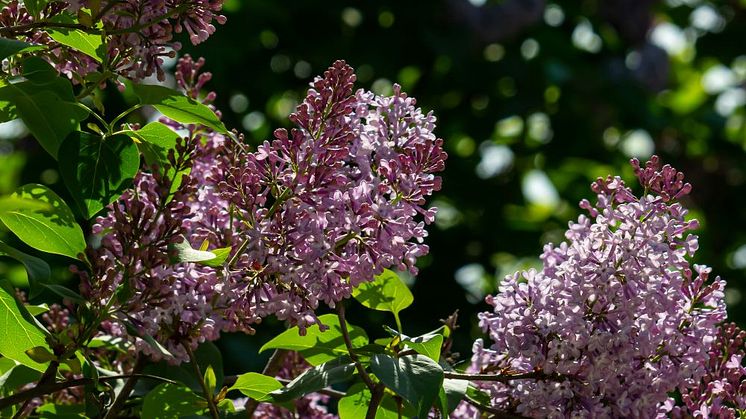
{"points": [[18, 331], [316, 378], [171, 401], [97, 170], [386, 293], [51, 230], [355, 405], [177, 106], [87, 43], [257, 386], [451, 394], [316, 346], [10, 47], [416, 378], [45, 102], [38, 270], [156, 141]]}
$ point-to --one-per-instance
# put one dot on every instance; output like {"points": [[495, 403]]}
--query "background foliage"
{"points": [[534, 100]]}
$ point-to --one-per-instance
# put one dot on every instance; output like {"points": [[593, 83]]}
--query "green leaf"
{"points": [[316, 378], [97, 170], [38, 270], [87, 43], [221, 254], [18, 331], [207, 354], [386, 293], [155, 142], [35, 310], [51, 230], [210, 380], [48, 118], [416, 378], [257, 386], [61, 411], [34, 7], [171, 401], [184, 252], [316, 346], [428, 344], [65, 292], [45, 103], [355, 405], [10, 47], [451, 394], [177, 106]]}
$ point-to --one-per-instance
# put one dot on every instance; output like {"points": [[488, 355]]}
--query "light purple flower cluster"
{"points": [[307, 217], [722, 391], [331, 203], [139, 32], [615, 320]]}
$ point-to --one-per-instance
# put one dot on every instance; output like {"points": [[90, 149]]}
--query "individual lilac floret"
{"points": [[721, 393], [615, 320], [334, 201]]}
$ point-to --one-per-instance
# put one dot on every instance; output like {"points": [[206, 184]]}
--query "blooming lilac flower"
{"points": [[139, 32], [721, 393], [307, 217], [333, 202], [616, 319]]}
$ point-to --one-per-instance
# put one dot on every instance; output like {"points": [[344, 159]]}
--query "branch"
{"points": [[42, 390], [9, 31], [124, 394], [504, 378], [348, 343], [496, 413]]}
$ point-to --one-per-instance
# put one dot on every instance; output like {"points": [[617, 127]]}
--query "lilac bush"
{"points": [[191, 233], [616, 319]]}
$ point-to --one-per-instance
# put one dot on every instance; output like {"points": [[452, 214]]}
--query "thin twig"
{"points": [[375, 399], [208, 395], [348, 343], [504, 378], [496, 413], [49, 375]]}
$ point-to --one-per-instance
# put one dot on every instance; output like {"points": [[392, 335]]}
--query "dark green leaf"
{"points": [[61, 411], [171, 401], [416, 378], [9, 47], [451, 394], [318, 347], [257, 386], [34, 7], [207, 354], [48, 118], [18, 331], [87, 43], [177, 106], [316, 378], [97, 170], [38, 270], [65, 292]]}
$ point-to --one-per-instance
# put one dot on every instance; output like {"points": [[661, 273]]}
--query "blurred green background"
{"points": [[534, 100]]}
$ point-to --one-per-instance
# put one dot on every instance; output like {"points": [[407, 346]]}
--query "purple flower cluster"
{"points": [[722, 391], [331, 203], [139, 32], [307, 217], [615, 320]]}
